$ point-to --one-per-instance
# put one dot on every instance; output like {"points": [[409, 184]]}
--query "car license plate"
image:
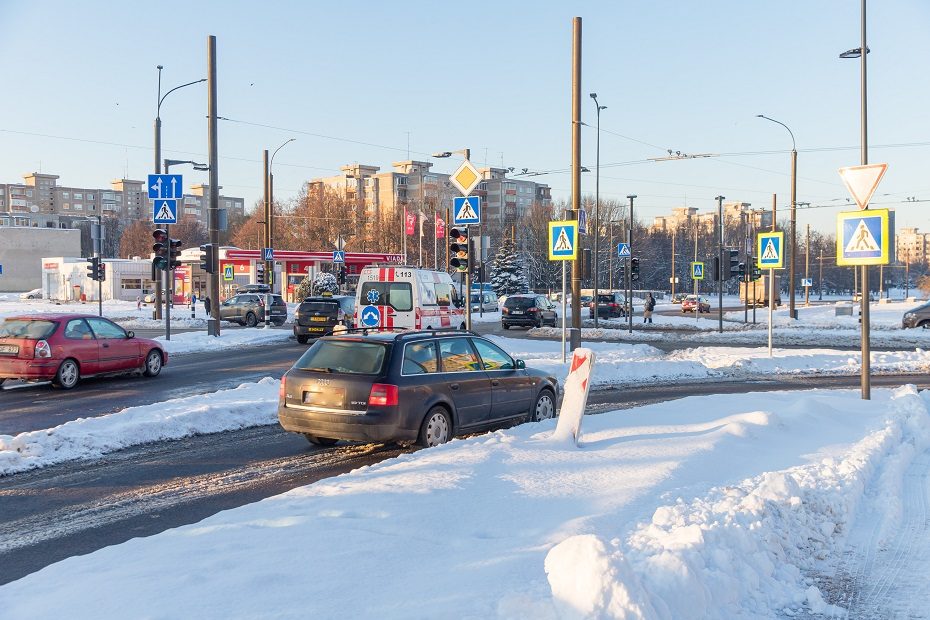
{"points": [[9, 348], [517, 312], [329, 397], [319, 319]]}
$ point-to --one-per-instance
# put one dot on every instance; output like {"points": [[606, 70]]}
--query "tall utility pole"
{"points": [[629, 270], [266, 200], [213, 285], [866, 353], [719, 265], [597, 202], [575, 337], [672, 279], [807, 267], [157, 276], [820, 280]]}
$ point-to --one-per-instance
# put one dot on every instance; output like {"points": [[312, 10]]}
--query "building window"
{"points": [[78, 196], [78, 207], [65, 194], [131, 284], [67, 205], [90, 196], [29, 193]]}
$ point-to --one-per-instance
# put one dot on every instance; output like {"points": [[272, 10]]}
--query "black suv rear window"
{"points": [[344, 356], [605, 299], [31, 330], [520, 302], [320, 306]]}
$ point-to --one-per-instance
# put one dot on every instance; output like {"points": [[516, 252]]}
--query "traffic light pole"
{"points": [[719, 267], [169, 284], [213, 289], [575, 334]]}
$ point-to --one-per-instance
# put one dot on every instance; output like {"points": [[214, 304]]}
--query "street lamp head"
{"points": [[442, 154], [854, 53], [583, 169], [593, 95], [602, 107], [159, 67], [631, 196], [202, 167]]}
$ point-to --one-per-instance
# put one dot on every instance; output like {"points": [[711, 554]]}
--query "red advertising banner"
{"points": [[440, 227], [410, 221]]}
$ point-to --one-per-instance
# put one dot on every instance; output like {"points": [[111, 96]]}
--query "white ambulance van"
{"points": [[407, 297]]}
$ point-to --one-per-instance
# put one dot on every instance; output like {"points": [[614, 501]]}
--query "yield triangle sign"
{"points": [[861, 181]]}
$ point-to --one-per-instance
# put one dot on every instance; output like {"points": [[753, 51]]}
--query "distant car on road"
{"points": [[918, 317], [35, 293], [64, 348], [694, 303], [677, 298], [528, 309], [609, 305], [249, 309], [416, 386], [319, 316]]}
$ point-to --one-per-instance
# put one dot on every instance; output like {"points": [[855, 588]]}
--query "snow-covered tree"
{"points": [[325, 282], [508, 275], [304, 289]]}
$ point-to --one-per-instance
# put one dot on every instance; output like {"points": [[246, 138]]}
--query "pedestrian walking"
{"points": [[648, 307], [206, 305], [138, 302]]}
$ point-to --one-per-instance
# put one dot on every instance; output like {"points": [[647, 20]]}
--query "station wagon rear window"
{"points": [[343, 356], [31, 330], [319, 306]]}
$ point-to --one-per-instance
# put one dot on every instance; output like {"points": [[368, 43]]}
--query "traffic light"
{"points": [[730, 263], [622, 273], [341, 278], [715, 268], [160, 248], [92, 264], [259, 273], [634, 269], [207, 258], [101, 270], [755, 273], [458, 248], [741, 271], [586, 264], [174, 253]]}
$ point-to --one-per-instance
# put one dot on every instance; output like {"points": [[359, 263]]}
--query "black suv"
{"points": [[416, 386], [609, 305], [317, 316], [249, 309], [528, 309]]}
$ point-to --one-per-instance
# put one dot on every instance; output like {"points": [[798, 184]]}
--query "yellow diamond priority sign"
{"points": [[466, 178]]}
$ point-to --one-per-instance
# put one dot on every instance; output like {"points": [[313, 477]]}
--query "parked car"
{"points": [[530, 310], [609, 305], [148, 298], [318, 316], [35, 293], [677, 298], [485, 301], [64, 348], [695, 303], [416, 386], [249, 309], [918, 317]]}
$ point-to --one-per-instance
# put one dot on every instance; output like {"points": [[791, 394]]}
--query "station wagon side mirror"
{"points": [[520, 364], [130, 334]]}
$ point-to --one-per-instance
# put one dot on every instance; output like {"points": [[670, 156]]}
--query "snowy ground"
{"points": [[716, 507]]}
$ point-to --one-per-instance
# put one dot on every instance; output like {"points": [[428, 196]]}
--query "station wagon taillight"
{"points": [[281, 390], [42, 349], [383, 395]]}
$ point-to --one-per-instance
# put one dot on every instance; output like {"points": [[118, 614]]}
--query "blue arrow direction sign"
{"points": [[623, 250], [268, 254], [371, 316], [466, 210], [165, 212], [165, 186], [339, 256]]}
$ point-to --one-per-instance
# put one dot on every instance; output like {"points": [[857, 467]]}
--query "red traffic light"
{"points": [[160, 235]]}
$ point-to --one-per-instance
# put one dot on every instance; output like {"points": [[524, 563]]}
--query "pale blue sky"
{"points": [[80, 88]]}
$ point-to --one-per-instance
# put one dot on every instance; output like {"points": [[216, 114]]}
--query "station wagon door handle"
{"points": [[495, 382], [454, 386]]}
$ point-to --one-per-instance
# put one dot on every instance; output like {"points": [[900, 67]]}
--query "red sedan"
{"points": [[694, 303], [63, 348]]}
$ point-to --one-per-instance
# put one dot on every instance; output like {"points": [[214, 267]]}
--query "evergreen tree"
{"points": [[507, 273], [325, 282], [304, 289]]}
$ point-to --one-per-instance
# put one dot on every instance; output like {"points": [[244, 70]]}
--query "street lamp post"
{"points": [[794, 214], [269, 215], [160, 99], [861, 53], [629, 269], [719, 200], [597, 202]]}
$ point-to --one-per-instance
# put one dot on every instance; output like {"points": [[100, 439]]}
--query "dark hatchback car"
{"points": [[420, 386], [918, 317], [529, 310], [318, 316], [249, 309], [609, 305]]}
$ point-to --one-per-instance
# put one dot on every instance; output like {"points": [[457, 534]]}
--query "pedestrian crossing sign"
{"points": [[228, 273], [863, 237], [466, 210], [563, 240], [770, 250], [697, 271]]}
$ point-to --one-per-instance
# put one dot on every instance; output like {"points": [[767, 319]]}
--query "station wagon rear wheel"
{"points": [[321, 441], [543, 408], [436, 428]]}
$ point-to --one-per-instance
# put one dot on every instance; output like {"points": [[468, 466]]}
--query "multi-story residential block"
{"points": [[40, 201], [732, 212], [911, 246]]}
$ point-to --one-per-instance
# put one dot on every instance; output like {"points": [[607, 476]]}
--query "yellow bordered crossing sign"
{"points": [[563, 240], [697, 271], [770, 248], [863, 237]]}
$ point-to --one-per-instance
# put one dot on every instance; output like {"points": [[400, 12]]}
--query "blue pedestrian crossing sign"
{"points": [[623, 250], [165, 186], [228, 273], [339, 256], [770, 250], [268, 254], [165, 212], [466, 210], [371, 316], [563, 240], [697, 271], [864, 237]]}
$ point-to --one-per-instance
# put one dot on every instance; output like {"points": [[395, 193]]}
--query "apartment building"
{"points": [[911, 246], [41, 202], [732, 212]]}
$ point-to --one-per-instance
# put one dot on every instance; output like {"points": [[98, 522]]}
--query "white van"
{"points": [[407, 297]]}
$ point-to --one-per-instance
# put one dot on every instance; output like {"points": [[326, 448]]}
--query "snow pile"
{"points": [[250, 404], [193, 342], [739, 548]]}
